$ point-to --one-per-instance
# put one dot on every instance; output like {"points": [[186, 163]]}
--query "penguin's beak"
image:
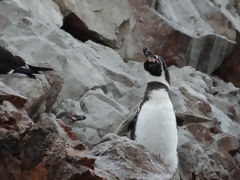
{"points": [[147, 53]]}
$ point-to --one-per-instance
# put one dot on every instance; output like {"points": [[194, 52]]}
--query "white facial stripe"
{"points": [[161, 79]]}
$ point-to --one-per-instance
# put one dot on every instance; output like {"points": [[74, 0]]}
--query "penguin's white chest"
{"points": [[156, 127]]}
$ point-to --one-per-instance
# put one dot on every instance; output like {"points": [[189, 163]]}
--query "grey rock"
{"points": [[102, 17], [46, 11], [124, 159], [191, 93], [103, 113], [87, 136]]}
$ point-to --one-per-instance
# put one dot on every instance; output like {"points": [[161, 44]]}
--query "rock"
{"points": [[84, 67], [40, 95], [103, 113], [204, 46], [193, 92], [209, 128], [206, 155], [47, 11], [124, 159], [229, 71], [9, 94], [68, 105], [207, 40], [13, 119], [98, 21], [49, 148], [88, 136], [55, 82]]}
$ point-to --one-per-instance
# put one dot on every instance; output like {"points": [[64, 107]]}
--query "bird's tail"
{"points": [[36, 69], [31, 70]]}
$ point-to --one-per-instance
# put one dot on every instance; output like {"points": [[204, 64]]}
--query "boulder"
{"points": [[196, 93], [46, 11], [124, 159], [39, 93], [183, 33], [97, 20], [8, 94], [13, 120], [83, 66], [229, 71], [206, 154], [190, 35], [49, 148]]}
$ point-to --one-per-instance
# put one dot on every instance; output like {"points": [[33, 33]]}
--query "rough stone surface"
{"points": [[83, 66], [46, 11], [193, 92], [203, 27], [229, 71], [13, 119], [205, 154], [9, 94], [122, 154], [168, 27], [208, 145], [50, 149], [39, 92], [102, 17]]}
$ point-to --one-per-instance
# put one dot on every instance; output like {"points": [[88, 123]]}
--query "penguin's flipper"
{"points": [[128, 124]]}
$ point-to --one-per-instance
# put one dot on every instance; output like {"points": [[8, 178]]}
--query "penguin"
{"points": [[155, 122], [14, 64], [69, 117]]}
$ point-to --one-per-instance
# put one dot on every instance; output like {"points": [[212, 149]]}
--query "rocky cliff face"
{"points": [[92, 79], [200, 34]]}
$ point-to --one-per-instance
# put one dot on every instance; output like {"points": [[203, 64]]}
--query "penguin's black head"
{"points": [[153, 63], [154, 68]]}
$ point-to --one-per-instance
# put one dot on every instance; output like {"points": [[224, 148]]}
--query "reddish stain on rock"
{"points": [[200, 132]]}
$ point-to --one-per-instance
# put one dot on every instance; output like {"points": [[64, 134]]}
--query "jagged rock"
{"points": [[55, 82], [47, 11], [190, 35], [193, 92], [124, 159], [40, 95], [205, 154], [96, 20], [13, 119], [103, 113], [209, 130], [83, 66], [49, 148], [88, 136], [229, 71], [181, 35], [9, 94]]}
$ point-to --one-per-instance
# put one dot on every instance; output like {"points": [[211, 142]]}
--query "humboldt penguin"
{"points": [[15, 64], [155, 125], [70, 117]]}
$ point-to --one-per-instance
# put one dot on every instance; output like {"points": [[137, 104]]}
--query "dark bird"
{"points": [[69, 117], [15, 64]]}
